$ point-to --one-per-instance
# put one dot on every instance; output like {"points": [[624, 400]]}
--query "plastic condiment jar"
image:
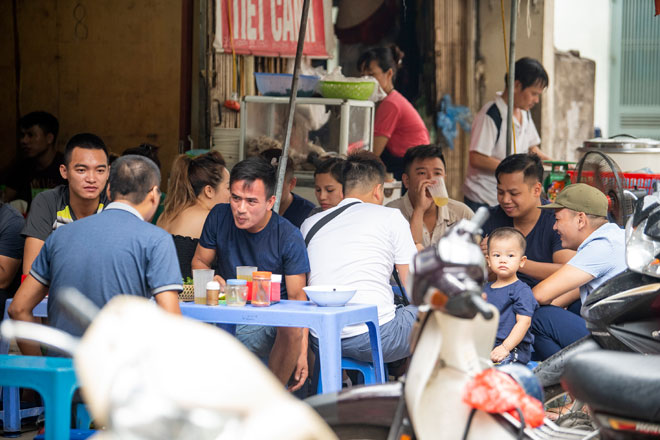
{"points": [[261, 288], [236, 292]]}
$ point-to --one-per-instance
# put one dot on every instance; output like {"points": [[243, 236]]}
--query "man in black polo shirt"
{"points": [[519, 191]]}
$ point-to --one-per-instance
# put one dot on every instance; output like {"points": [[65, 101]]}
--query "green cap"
{"points": [[580, 197]]}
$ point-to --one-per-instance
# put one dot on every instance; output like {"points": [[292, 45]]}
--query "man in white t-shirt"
{"points": [[488, 138], [360, 247]]}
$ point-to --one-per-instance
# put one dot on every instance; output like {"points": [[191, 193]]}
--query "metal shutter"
{"points": [[635, 74]]}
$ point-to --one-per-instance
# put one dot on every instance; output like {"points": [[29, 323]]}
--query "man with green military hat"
{"points": [[581, 222]]}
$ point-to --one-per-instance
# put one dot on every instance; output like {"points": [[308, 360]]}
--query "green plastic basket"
{"points": [[347, 90]]}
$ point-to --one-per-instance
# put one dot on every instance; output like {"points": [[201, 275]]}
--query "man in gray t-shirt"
{"points": [[86, 170]]}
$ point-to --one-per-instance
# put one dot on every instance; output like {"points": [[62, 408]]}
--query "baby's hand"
{"points": [[499, 353]]}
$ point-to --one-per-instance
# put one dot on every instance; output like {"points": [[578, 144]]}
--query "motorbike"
{"points": [[454, 338], [452, 341]]}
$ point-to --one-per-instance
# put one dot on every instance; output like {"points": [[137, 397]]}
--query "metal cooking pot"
{"points": [[629, 152]]}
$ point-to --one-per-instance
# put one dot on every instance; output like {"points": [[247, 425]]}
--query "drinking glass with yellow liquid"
{"points": [[200, 278], [439, 193]]}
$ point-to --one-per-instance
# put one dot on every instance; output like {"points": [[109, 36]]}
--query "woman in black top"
{"points": [[196, 185]]}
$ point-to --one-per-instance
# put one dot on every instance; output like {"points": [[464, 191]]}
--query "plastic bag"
{"points": [[496, 392], [447, 118]]}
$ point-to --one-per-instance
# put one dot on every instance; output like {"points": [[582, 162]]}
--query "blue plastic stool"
{"points": [[11, 416], [53, 378], [367, 370], [83, 419]]}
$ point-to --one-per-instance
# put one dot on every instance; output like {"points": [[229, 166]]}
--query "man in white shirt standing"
{"points": [[488, 139], [360, 247]]}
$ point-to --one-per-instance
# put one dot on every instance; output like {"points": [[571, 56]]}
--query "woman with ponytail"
{"points": [[397, 125], [196, 185]]}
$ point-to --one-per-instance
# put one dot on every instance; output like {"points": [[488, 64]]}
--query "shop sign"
{"points": [[270, 27]]}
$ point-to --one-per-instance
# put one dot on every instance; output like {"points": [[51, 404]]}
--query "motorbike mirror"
{"points": [[643, 208], [653, 225], [480, 217]]}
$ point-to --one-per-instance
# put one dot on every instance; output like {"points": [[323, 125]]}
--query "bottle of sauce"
{"points": [[212, 293], [275, 288]]}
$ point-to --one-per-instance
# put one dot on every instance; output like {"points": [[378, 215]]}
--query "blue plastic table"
{"points": [[327, 323]]}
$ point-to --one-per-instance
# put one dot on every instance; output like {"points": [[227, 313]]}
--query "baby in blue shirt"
{"points": [[513, 298]]}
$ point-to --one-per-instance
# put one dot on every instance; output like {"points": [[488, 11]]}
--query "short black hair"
{"points": [[254, 168], [273, 156], [146, 150], [47, 122], [422, 152], [530, 165], [87, 141], [332, 166], [132, 177], [362, 169], [508, 232], [529, 72]]}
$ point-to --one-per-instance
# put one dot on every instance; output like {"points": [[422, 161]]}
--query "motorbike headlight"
{"points": [[642, 251]]}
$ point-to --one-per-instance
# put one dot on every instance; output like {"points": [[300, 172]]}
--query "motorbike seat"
{"points": [[623, 384]]}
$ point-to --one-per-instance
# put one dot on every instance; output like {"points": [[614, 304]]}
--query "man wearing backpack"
{"points": [[488, 140]]}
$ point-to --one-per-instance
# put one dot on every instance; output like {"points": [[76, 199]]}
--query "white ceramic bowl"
{"points": [[330, 296]]}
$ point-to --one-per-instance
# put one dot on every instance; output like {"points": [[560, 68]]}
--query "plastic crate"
{"points": [[630, 180], [279, 84]]}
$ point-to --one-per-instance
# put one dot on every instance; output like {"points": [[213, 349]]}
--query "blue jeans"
{"points": [[258, 339], [394, 338], [555, 328], [511, 358]]}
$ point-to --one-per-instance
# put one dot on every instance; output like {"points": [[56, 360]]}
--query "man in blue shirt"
{"points": [[112, 253], [519, 188], [580, 214], [246, 232]]}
